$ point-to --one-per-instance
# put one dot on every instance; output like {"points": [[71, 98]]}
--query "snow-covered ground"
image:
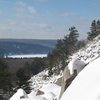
{"points": [[49, 92], [90, 52], [42, 79], [84, 87], [41, 82]]}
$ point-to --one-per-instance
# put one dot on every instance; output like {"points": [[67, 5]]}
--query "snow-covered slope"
{"points": [[42, 79], [91, 51], [87, 54], [19, 94], [40, 82], [86, 86], [50, 92]]}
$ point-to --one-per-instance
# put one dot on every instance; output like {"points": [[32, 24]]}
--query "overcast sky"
{"points": [[46, 19]]}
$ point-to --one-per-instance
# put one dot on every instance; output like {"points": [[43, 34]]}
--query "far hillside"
{"points": [[25, 46]]}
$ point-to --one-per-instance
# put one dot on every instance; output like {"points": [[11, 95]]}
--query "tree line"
{"points": [[58, 58], [10, 82]]}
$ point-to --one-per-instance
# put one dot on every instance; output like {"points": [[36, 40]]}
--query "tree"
{"points": [[95, 25], [98, 27], [23, 80], [5, 79], [2, 98], [57, 59], [73, 39], [27, 68], [73, 35], [38, 65], [81, 43], [50, 63]]}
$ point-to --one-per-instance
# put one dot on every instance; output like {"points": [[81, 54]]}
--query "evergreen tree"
{"points": [[39, 64], [98, 27], [27, 68], [73, 39], [23, 80], [58, 57], [5, 79], [81, 43], [62, 49], [2, 98], [50, 63], [93, 30]]}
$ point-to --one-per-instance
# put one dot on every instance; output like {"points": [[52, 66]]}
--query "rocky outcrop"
{"points": [[70, 72], [66, 75]]}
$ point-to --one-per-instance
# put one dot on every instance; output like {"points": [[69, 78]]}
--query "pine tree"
{"points": [[98, 27], [93, 30], [50, 63], [73, 39], [58, 57], [23, 80], [5, 79]]}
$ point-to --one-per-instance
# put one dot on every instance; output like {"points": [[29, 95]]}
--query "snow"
{"points": [[19, 94], [86, 86], [32, 96], [27, 56], [51, 91], [48, 86], [90, 52], [76, 64], [42, 79]]}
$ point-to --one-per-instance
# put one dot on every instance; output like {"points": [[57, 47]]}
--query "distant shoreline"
{"points": [[27, 56]]}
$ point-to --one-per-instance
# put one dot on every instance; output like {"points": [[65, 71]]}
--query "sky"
{"points": [[46, 19]]}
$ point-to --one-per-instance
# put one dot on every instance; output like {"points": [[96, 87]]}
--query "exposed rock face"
{"points": [[66, 75], [39, 92], [59, 81], [75, 66]]}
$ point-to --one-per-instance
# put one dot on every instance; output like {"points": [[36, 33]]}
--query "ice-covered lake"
{"points": [[27, 56]]}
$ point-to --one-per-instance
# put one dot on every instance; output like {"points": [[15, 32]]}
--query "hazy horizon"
{"points": [[26, 39]]}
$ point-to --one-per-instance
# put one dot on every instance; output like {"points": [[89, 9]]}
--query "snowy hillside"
{"points": [[42, 78], [47, 92], [90, 52], [41, 83], [84, 87]]}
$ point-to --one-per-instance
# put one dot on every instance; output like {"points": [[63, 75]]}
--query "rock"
{"points": [[66, 75]]}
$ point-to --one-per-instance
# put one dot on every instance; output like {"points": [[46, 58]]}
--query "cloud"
{"points": [[31, 10], [7, 29], [24, 9], [24, 29]]}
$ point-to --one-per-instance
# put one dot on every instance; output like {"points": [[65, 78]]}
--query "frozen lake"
{"points": [[28, 56]]}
